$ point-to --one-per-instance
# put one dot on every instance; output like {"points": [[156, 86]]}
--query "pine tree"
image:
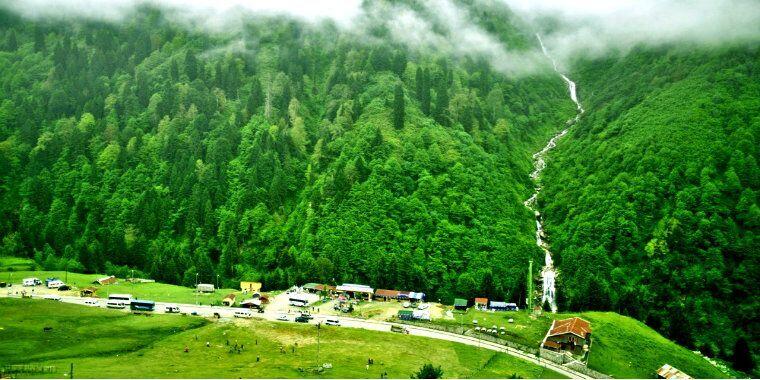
{"points": [[398, 107]]}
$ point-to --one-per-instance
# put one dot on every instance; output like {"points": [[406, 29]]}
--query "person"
{"points": [[208, 344]]}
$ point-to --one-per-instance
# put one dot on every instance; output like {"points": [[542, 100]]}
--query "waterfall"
{"points": [[548, 273]]}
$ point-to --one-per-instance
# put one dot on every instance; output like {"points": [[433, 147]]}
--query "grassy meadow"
{"points": [[622, 347], [151, 291], [107, 343]]}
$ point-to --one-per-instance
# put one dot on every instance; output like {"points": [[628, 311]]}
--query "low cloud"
{"points": [[595, 28]]}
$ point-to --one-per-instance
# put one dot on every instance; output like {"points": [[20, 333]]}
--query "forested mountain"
{"points": [[287, 153], [651, 200]]}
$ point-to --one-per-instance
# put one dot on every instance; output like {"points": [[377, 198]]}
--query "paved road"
{"points": [[271, 315]]}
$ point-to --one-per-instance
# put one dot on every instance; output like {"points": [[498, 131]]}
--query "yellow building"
{"points": [[250, 286]]}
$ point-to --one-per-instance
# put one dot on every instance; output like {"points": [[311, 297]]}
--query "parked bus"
{"points": [[298, 301], [142, 305], [118, 301]]}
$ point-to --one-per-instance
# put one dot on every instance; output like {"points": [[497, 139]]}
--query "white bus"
{"points": [[118, 301], [298, 301]]}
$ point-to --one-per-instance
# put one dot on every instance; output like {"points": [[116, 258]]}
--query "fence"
{"points": [[26, 368]]}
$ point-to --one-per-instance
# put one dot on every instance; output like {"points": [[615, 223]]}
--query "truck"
{"points": [[32, 281]]}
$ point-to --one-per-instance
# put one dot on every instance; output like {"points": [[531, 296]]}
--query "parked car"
{"points": [[302, 319], [63, 287], [171, 309], [91, 302], [242, 314], [52, 297], [283, 317], [332, 322]]}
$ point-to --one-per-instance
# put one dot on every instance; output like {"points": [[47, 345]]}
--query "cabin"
{"points": [[416, 296], [252, 303], [570, 335], [250, 286], [357, 291], [386, 294], [105, 280], [481, 303], [229, 300], [204, 288], [460, 304], [669, 372]]}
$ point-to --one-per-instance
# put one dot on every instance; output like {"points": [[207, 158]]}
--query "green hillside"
{"points": [[622, 346], [304, 155], [114, 344], [651, 201]]}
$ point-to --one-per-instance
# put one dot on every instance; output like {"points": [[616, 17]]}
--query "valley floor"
{"points": [[112, 344]]}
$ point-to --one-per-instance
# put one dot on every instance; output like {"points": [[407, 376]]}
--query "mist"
{"points": [[569, 29], [596, 28]]}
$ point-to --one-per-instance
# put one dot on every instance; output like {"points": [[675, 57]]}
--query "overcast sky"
{"points": [[582, 27]]}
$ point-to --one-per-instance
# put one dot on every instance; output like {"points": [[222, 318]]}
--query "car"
{"points": [[171, 309], [52, 297], [302, 319], [283, 317], [91, 302], [406, 304], [63, 287], [332, 322], [422, 306], [242, 314]]}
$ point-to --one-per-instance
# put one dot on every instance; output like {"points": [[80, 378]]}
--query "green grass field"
{"points": [[151, 291], [622, 347], [106, 343], [14, 264]]}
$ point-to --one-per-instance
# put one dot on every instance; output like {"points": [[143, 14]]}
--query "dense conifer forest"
{"points": [[652, 203], [287, 152], [290, 154]]}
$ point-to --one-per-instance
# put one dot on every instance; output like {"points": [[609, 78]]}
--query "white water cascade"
{"points": [[548, 273]]}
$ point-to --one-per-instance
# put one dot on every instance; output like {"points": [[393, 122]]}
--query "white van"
{"points": [[171, 309], [55, 284], [243, 314], [332, 322], [32, 281]]}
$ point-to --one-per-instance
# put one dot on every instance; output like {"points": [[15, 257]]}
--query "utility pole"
{"points": [[217, 281], [529, 301], [319, 325], [196, 289]]}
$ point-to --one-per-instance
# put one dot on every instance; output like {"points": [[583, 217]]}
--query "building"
{"points": [[460, 304], [229, 300], [403, 295], [356, 291], [669, 372], [311, 287], [252, 303], [481, 303], [571, 335], [250, 286], [416, 296], [502, 306], [106, 280], [205, 288], [386, 295], [329, 289]]}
